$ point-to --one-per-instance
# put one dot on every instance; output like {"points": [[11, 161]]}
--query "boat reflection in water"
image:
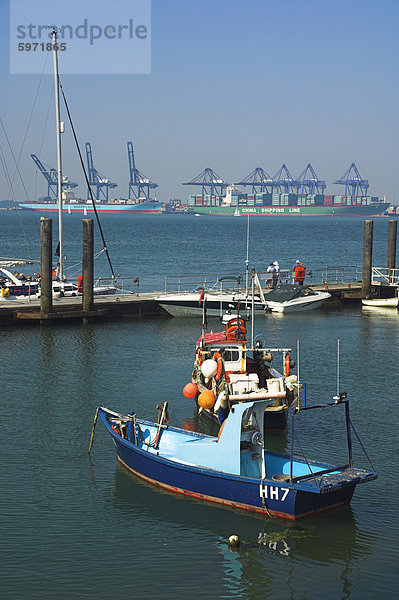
{"points": [[335, 547]]}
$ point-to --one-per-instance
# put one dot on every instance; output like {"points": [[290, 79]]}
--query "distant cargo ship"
{"points": [[267, 204], [149, 207]]}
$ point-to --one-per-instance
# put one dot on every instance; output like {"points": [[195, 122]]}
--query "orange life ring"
{"points": [[231, 331], [219, 359], [235, 321], [287, 365]]}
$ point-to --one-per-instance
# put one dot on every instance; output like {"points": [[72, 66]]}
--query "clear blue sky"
{"points": [[233, 85]]}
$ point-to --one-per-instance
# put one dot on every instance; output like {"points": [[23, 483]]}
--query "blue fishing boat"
{"points": [[236, 469]]}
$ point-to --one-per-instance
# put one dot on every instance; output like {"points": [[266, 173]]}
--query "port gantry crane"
{"points": [[51, 176], [210, 183], [308, 182], [96, 180], [139, 185], [259, 181], [354, 184], [283, 181]]}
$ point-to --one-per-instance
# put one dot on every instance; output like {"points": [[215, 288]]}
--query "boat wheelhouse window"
{"points": [[231, 355]]}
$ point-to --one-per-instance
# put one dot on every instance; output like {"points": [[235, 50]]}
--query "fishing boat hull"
{"points": [[232, 491], [164, 467]]}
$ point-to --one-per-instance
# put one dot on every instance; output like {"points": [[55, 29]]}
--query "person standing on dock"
{"points": [[297, 263], [270, 269], [276, 273], [299, 271]]}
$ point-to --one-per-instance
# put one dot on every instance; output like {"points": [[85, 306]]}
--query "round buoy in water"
{"points": [[190, 390], [234, 541], [209, 368], [207, 399]]}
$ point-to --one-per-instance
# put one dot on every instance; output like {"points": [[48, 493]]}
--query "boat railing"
{"points": [[124, 285], [385, 276], [215, 282], [339, 400]]}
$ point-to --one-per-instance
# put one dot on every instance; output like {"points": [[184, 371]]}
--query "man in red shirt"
{"points": [[299, 274]]}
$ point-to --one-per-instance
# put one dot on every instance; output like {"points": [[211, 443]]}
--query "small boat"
{"points": [[290, 298], [236, 469], [229, 370], [219, 299], [188, 304], [382, 302], [14, 288]]}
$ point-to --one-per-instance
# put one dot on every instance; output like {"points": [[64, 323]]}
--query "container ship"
{"points": [[148, 207], [282, 195], [268, 204]]}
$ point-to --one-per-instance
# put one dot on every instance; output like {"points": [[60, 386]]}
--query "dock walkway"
{"points": [[66, 309], [128, 306]]}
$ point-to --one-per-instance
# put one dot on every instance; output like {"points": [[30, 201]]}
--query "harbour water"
{"points": [[82, 527]]}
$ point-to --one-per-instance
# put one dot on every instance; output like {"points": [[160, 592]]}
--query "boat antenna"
{"points": [[297, 366], [87, 182], [59, 156], [338, 367], [204, 321], [252, 306]]}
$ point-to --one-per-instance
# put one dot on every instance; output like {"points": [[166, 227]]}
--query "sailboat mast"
{"points": [[247, 259], [59, 161]]}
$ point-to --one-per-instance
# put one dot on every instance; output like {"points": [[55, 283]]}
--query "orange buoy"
{"points": [[190, 390], [207, 399], [287, 365]]}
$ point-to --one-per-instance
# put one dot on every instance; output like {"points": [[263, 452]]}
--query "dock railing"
{"points": [[335, 274], [197, 281], [327, 275], [384, 276]]}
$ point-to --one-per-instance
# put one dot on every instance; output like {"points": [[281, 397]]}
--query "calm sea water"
{"points": [[80, 527]]}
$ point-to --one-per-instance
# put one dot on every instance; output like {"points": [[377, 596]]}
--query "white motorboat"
{"points": [[293, 298], [283, 298], [188, 304], [382, 302]]}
